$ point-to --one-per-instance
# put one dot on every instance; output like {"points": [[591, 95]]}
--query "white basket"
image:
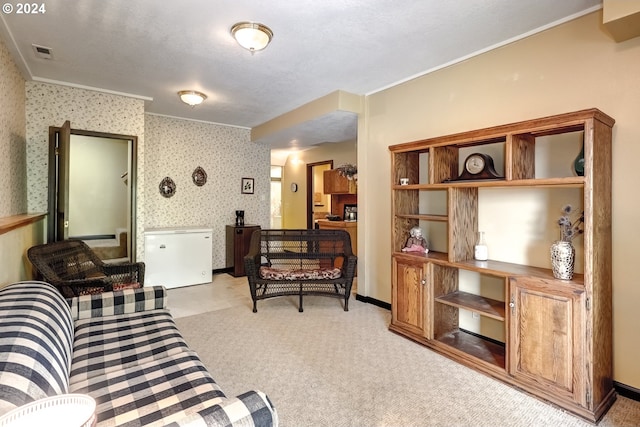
{"points": [[69, 410]]}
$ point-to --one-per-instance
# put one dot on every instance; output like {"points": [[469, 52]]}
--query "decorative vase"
{"points": [[563, 256], [578, 163]]}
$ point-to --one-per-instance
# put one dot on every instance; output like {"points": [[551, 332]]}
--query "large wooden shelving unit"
{"points": [[557, 334]]}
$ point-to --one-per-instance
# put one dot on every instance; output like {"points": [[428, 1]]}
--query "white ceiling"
{"points": [[152, 49]]}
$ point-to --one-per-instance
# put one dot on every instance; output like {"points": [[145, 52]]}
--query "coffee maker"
{"points": [[239, 218]]}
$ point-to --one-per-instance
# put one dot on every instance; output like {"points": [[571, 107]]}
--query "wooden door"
{"points": [[547, 337], [62, 208], [408, 296]]}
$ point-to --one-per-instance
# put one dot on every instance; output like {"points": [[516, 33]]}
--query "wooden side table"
{"points": [[238, 240]]}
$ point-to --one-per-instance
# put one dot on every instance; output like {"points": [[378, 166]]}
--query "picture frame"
{"points": [[350, 212], [247, 186]]}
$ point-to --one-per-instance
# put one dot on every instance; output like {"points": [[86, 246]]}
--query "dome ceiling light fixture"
{"points": [[192, 97], [252, 36]]}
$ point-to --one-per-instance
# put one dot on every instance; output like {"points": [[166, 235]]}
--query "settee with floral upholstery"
{"points": [[300, 262]]}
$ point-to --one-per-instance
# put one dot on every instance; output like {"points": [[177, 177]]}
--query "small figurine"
{"points": [[416, 243]]}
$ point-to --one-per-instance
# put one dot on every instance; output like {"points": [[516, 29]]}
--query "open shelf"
{"points": [[476, 346], [567, 182], [476, 303], [422, 217], [16, 221], [431, 255], [494, 268], [507, 269]]}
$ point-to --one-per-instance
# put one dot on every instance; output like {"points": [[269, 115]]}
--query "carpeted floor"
{"points": [[328, 367]]}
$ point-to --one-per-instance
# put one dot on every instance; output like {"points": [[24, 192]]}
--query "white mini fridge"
{"points": [[178, 256]]}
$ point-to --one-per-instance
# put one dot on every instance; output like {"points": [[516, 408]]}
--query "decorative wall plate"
{"points": [[199, 177], [167, 187]]}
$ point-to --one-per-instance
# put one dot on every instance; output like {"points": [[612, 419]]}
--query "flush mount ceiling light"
{"points": [[192, 97], [252, 35]]}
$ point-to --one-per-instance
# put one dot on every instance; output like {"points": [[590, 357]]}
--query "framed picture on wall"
{"points": [[247, 185]]}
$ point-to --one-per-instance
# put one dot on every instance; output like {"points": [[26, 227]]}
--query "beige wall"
{"points": [[294, 205], [570, 67], [14, 265]]}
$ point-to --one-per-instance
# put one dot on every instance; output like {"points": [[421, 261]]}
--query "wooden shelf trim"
{"points": [[484, 306], [16, 221], [560, 123], [565, 182], [493, 268], [424, 217]]}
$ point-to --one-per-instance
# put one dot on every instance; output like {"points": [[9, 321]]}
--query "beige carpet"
{"points": [[327, 367]]}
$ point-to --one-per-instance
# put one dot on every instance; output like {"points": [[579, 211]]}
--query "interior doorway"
{"points": [[276, 197], [92, 182], [318, 203]]}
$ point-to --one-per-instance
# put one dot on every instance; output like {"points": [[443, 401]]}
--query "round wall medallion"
{"points": [[199, 177], [167, 187]]}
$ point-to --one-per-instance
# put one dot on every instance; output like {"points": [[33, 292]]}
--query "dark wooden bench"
{"points": [[300, 262]]}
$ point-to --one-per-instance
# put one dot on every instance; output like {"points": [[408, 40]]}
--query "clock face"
{"points": [[294, 187], [474, 164]]}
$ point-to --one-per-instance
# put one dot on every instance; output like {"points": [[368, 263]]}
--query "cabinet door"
{"points": [[548, 337], [241, 246], [334, 183], [409, 296]]}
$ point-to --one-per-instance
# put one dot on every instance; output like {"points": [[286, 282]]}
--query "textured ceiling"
{"points": [[153, 49]]}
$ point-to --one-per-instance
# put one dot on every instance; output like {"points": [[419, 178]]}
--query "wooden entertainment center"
{"points": [[554, 337]]}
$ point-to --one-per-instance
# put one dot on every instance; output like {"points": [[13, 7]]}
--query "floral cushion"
{"points": [[299, 274], [116, 287]]}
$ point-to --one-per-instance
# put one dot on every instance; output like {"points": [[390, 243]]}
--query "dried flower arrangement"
{"points": [[349, 171], [568, 228]]}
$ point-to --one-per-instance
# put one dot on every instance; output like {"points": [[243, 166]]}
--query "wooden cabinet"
{"points": [[408, 296], [548, 337], [350, 227], [511, 320], [334, 183], [238, 242]]}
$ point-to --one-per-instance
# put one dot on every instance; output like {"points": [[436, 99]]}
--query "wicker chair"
{"points": [[73, 268]]}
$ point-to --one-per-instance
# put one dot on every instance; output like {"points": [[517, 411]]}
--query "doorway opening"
{"points": [[318, 203], [276, 197], [92, 191]]}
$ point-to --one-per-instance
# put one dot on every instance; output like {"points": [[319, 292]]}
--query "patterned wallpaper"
{"points": [[51, 105], [13, 174], [175, 148], [166, 147]]}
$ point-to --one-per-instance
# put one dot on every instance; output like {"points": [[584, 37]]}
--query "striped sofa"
{"points": [[123, 349]]}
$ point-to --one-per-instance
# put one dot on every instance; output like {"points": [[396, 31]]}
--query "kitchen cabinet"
{"points": [[334, 183]]}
